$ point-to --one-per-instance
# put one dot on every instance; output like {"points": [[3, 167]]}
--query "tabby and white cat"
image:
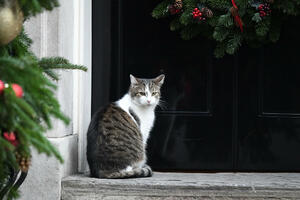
{"points": [[118, 133]]}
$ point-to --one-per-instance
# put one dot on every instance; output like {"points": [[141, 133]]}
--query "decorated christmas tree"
{"points": [[27, 92], [230, 23]]}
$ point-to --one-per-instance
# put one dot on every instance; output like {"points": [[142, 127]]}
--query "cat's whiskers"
{"points": [[162, 104]]}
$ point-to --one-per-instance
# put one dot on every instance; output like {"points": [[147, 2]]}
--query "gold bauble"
{"points": [[11, 21]]}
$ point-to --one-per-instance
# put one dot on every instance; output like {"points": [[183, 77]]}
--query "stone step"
{"points": [[175, 186]]}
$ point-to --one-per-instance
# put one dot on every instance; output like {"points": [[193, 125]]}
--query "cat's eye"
{"points": [[142, 93], [154, 93]]}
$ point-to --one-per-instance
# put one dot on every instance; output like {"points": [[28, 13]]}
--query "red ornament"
{"points": [[11, 137], [2, 87], [18, 90]]}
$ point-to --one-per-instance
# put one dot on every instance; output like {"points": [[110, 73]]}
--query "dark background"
{"points": [[238, 113]]}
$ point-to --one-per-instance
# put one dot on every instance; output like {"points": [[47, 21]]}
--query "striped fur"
{"points": [[116, 140]]}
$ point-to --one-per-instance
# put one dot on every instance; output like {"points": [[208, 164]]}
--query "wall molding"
{"points": [[82, 81]]}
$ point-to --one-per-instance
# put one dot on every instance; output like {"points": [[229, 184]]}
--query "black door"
{"points": [[233, 114], [269, 104]]}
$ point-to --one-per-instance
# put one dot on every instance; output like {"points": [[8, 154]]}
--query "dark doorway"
{"points": [[238, 113]]}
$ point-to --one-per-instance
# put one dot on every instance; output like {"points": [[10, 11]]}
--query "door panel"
{"points": [[280, 77], [269, 105]]}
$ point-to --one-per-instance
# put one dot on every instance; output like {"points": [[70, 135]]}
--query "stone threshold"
{"points": [[185, 186]]}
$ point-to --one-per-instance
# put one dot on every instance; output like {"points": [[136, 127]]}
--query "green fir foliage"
{"points": [[50, 64], [161, 10], [30, 116], [33, 7], [221, 27]]}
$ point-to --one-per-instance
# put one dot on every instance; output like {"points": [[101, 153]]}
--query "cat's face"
{"points": [[146, 92]]}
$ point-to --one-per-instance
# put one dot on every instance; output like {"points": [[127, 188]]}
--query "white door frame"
{"points": [[82, 81]]}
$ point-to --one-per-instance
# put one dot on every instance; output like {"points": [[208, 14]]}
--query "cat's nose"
{"points": [[148, 101]]}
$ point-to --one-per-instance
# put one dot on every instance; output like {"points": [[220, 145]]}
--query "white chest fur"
{"points": [[145, 115]]}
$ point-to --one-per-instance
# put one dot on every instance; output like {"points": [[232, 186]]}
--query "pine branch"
{"points": [[54, 76], [262, 28], [233, 43], [59, 63], [161, 10], [33, 7]]}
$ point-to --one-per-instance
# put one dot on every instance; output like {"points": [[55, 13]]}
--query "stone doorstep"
{"points": [[185, 186]]}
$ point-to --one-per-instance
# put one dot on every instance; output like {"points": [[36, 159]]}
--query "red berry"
{"points": [[1, 87], [262, 14], [18, 90]]}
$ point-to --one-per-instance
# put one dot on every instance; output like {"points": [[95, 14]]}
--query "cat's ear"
{"points": [[133, 80], [159, 80]]}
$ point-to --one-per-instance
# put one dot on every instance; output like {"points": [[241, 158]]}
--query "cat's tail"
{"points": [[134, 173]]}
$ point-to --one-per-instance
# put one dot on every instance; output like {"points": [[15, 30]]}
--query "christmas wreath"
{"points": [[230, 23]]}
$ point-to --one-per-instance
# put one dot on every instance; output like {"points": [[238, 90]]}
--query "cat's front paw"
{"points": [[149, 172]]}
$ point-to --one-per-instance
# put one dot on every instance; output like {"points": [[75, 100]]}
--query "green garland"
{"points": [[261, 20]]}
